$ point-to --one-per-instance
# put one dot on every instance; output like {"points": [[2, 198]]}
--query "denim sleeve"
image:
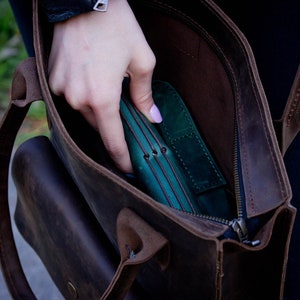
{"points": [[55, 10], [59, 10], [22, 10]]}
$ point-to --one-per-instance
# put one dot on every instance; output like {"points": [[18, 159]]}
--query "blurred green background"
{"points": [[12, 51]]}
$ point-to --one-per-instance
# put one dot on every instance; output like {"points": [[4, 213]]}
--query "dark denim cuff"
{"points": [[60, 10]]}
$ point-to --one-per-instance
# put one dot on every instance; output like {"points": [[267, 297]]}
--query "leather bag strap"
{"points": [[25, 90], [289, 125], [138, 242]]}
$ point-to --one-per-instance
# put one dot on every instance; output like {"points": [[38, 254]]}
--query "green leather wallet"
{"points": [[170, 159]]}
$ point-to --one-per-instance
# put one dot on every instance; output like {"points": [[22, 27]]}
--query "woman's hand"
{"points": [[90, 56]]}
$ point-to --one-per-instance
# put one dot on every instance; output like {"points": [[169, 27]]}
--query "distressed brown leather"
{"points": [[208, 60], [27, 90], [51, 213], [288, 126], [220, 83]]}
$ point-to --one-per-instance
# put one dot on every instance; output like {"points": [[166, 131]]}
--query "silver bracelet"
{"points": [[101, 5]]}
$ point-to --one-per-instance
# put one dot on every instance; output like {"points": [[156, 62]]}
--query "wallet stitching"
{"points": [[187, 118], [142, 125]]}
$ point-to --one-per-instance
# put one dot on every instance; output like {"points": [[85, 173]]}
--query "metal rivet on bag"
{"points": [[72, 290]]}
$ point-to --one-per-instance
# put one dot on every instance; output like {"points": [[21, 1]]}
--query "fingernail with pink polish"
{"points": [[155, 114]]}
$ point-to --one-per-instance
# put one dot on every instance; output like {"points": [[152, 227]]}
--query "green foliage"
{"points": [[8, 26], [35, 124], [12, 52]]}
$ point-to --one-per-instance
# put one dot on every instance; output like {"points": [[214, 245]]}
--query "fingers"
{"points": [[98, 102], [100, 107], [101, 110], [89, 72], [140, 86], [111, 130]]}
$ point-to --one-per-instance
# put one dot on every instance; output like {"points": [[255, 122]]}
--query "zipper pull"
{"points": [[101, 5], [240, 228]]}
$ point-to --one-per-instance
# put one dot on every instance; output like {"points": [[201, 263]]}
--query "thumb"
{"points": [[141, 96]]}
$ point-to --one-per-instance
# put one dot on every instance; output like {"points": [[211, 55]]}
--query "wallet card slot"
{"points": [[155, 154]]}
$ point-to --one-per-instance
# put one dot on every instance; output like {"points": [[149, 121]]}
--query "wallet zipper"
{"points": [[237, 226]]}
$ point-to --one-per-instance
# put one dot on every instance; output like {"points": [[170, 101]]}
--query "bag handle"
{"points": [[137, 241], [289, 125], [25, 90]]}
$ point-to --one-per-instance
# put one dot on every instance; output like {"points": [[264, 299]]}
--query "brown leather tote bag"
{"points": [[171, 254]]}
